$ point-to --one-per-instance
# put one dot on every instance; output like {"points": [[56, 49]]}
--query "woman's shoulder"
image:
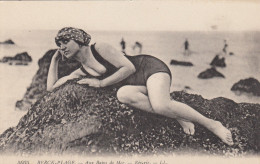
{"points": [[104, 48], [102, 45]]}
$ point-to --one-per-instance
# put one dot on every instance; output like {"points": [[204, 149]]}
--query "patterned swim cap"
{"points": [[70, 33]]}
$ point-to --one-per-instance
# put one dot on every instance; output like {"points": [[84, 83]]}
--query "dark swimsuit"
{"points": [[145, 66]]}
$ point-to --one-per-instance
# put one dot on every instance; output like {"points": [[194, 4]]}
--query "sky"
{"points": [[168, 15]]}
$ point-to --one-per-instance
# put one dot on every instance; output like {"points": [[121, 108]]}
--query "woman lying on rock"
{"points": [[145, 80]]}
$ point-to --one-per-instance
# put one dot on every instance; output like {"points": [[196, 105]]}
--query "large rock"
{"points": [[84, 120], [182, 63], [9, 41], [218, 62], [249, 85], [39, 81], [210, 73]]}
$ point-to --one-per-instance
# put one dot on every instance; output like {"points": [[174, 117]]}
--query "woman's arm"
{"points": [[53, 71], [52, 80], [116, 58], [75, 74]]}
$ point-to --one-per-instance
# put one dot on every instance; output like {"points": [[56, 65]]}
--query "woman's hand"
{"points": [[91, 82], [57, 55]]}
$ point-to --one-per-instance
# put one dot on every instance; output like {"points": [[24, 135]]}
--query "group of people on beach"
{"points": [[144, 80], [186, 46], [187, 51], [135, 46]]}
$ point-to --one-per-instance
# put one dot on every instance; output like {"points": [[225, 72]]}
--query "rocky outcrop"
{"points": [[210, 73], [182, 63], [83, 120], [218, 62], [249, 85], [9, 41], [39, 81], [19, 59]]}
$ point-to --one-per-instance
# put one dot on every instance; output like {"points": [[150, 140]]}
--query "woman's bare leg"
{"points": [[158, 87], [136, 96]]}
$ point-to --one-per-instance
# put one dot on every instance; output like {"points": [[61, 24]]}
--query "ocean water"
{"points": [[14, 80]]}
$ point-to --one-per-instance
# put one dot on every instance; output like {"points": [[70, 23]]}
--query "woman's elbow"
{"points": [[49, 88], [131, 69]]}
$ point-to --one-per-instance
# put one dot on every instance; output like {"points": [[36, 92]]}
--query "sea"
{"points": [[166, 45]]}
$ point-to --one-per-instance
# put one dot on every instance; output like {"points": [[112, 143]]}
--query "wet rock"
{"points": [[182, 63], [249, 85], [83, 120], [39, 81], [218, 62], [19, 59], [9, 41], [210, 73], [24, 56]]}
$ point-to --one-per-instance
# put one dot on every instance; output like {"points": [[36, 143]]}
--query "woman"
{"points": [[145, 80]]}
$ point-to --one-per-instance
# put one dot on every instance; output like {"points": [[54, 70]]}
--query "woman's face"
{"points": [[69, 48]]}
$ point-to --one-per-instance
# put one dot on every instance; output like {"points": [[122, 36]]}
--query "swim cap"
{"points": [[70, 33]]}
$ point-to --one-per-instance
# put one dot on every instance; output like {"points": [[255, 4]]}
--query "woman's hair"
{"points": [[71, 33]]}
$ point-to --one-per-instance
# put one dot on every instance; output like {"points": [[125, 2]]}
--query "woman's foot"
{"points": [[188, 127], [222, 132]]}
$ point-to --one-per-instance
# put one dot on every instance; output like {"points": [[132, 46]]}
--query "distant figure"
{"points": [[225, 47], [123, 44], [138, 45], [186, 47]]}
